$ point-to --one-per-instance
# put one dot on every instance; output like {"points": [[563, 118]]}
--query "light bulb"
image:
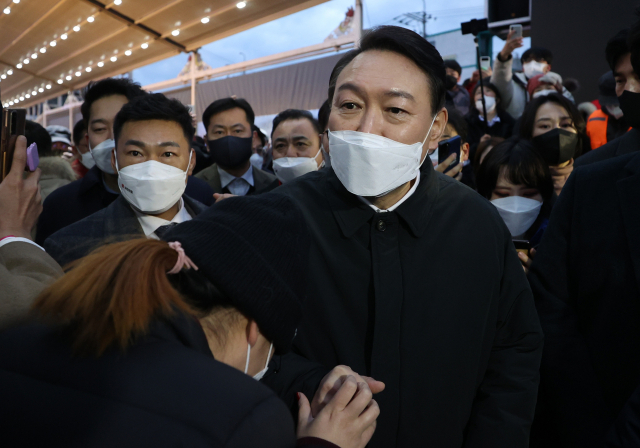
{"points": [[205, 20], [175, 32], [100, 64], [63, 37], [48, 86], [3, 76], [76, 28], [60, 81], [78, 73], [53, 43], [10, 103], [144, 46], [241, 5], [88, 69], [43, 50], [90, 19], [16, 1], [7, 10], [114, 59], [128, 52], [40, 90], [27, 96], [26, 61], [34, 93], [18, 66], [68, 78], [9, 72], [117, 2], [34, 56]]}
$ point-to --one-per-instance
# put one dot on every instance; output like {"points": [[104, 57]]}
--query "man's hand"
{"points": [[454, 172], [332, 382], [510, 45], [485, 137], [348, 420], [20, 200], [220, 197], [526, 261]]}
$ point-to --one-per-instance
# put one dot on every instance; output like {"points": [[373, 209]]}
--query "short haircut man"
{"points": [[79, 131], [295, 114], [225, 104], [108, 87], [386, 232], [35, 133], [453, 65], [538, 54]]}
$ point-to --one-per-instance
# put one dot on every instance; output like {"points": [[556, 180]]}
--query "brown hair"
{"points": [[111, 296]]}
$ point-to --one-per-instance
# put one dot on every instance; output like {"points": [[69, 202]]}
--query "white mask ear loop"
{"points": [[268, 356], [116, 157], [425, 139], [246, 367]]}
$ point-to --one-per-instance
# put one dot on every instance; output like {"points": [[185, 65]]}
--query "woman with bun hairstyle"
{"points": [[160, 343]]}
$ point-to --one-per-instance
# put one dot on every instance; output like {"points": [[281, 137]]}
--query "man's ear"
{"points": [[547, 69], [438, 128], [252, 332], [192, 165], [256, 140], [464, 152]]}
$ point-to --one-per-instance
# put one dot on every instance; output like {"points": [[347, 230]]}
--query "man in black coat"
{"points": [[619, 57], [585, 279], [388, 294], [99, 188], [153, 159]]}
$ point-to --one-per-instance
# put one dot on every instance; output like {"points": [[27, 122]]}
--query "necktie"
{"points": [[160, 231]]}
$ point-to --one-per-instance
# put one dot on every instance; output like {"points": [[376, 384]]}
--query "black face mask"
{"points": [[450, 82], [230, 152], [556, 146], [630, 105]]}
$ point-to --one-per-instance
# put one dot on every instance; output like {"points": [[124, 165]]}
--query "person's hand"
{"points": [[511, 44], [484, 138], [527, 260], [332, 382], [475, 77], [486, 73], [348, 419], [219, 197], [453, 172], [20, 199]]}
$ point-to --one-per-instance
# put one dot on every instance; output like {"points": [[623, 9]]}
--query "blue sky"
{"points": [[309, 27]]}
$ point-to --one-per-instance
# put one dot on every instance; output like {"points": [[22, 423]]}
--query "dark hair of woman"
{"points": [[482, 148]]}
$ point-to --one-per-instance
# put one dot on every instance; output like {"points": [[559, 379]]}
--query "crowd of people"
{"points": [[323, 286]]}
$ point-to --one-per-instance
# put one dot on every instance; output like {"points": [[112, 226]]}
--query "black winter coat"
{"points": [[626, 144], [586, 282], [429, 298], [165, 391]]}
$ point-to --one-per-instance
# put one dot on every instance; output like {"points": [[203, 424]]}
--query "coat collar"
{"points": [[92, 179], [629, 191], [351, 213], [629, 142]]}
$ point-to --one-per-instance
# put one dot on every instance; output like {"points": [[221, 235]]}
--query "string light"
{"points": [[10, 103], [26, 61], [34, 56], [34, 93], [117, 2], [114, 59], [205, 20], [241, 5], [53, 43], [64, 37], [27, 96], [88, 69], [78, 73], [175, 32], [100, 64], [9, 72], [43, 50], [3, 76], [16, 1], [48, 86], [7, 10], [144, 46], [40, 90], [60, 81], [68, 78], [19, 66], [90, 19], [128, 52], [76, 28]]}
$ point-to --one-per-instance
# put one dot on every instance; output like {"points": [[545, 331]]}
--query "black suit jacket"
{"points": [[86, 196], [167, 390], [262, 180], [586, 282], [117, 222], [626, 144], [388, 295]]}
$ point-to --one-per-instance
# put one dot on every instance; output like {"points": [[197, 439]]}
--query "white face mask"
{"points": [[258, 376], [518, 213], [102, 155], [533, 68], [152, 187], [288, 168], [545, 92], [87, 160], [489, 101], [615, 111], [372, 165], [256, 160]]}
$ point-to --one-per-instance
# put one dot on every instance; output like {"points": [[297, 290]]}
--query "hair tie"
{"points": [[183, 261]]}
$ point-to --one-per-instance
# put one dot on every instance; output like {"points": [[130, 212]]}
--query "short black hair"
{"points": [[457, 121], [453, 65], [407, 43], [108, 87], [522, 166], [263, 138], [155, 106], [295, 114], [323, 115], [37, 134], [537, 53], [488, 84], [78, 129], [528, 118], [225, 104], [616, 48]]}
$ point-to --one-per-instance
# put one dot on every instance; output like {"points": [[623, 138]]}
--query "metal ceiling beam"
{"points": [[132, 23]]}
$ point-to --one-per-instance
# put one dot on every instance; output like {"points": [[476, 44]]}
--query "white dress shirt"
{"points": [[237, 185], [493, 121], [12, 239], [150, 223], [397, 204]]}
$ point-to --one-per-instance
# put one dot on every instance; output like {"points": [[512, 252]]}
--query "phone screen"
{"points": [[523, 246], [448, 147], [13, 123]]}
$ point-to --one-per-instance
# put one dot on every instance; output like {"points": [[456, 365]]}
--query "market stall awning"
{"points": [[50, 47]]}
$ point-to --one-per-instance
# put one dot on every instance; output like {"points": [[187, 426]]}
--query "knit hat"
{"points": [[59, 134], [607, 86], [550, 78], [255, 250]]}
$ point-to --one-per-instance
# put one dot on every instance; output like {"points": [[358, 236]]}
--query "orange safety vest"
{"points": [[597, 128]]}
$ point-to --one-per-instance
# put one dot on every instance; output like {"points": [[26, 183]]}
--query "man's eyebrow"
{"points": [[169, 145], [350, 86], [137, 143], [99, 120], [396, 93]]}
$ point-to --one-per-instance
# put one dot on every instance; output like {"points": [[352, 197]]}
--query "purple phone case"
{"points": [[32, 157]]}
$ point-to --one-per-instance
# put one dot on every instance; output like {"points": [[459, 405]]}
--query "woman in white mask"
{"points": [[517, 181], [498, 123], [169, 345], [296, 144]]}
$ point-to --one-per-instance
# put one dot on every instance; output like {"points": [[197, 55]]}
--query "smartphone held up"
{"points": [[13, 124]]}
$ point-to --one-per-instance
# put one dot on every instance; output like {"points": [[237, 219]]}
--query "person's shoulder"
{"points": [[207, 173], [263, 175], [627, 143], [82, 228], [602, 172], [63, 195], [302, 186]]}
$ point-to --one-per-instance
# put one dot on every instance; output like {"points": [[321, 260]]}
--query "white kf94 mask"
{"points": [[372, 165], [152, 187], [518, 213], [288, 168], [102, 155]]}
